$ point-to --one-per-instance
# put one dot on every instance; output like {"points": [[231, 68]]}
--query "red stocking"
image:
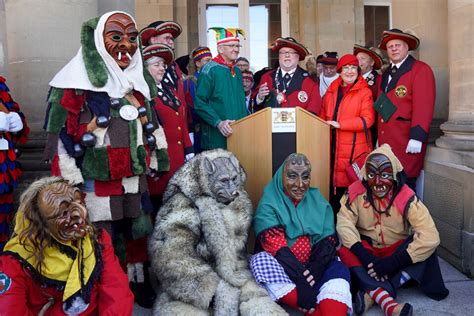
{"points": [[290, 299], [330, 307]]}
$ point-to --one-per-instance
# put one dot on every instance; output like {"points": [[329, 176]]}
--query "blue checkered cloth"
{"points": [[266, 269]]}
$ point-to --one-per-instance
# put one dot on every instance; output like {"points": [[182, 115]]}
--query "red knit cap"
{"points": [[348, 59]]}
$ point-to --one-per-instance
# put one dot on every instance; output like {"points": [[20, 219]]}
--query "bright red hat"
{"points": [[348, 59]]}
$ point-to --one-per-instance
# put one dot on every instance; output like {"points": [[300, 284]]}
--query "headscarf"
{"points": [[312, 216], [119, 82]]}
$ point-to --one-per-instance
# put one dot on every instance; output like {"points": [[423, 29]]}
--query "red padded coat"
{"points": [[356, 105]]}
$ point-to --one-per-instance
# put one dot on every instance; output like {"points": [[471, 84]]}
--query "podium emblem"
{"points": [[283, 120]]}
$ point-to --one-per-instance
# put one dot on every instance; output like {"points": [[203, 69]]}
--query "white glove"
{"points": [[189, 156], [414, 146], [14, 122], [3, 122]]}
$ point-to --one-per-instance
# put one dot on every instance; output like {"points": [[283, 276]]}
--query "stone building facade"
{"points": [[38, 37]]}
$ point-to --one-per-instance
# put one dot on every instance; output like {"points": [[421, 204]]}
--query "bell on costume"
{"points": [[149, 128], [88, 139], [142, 111], [151, 140], [103, 121], [115, 103], [18, 152], [78, 151]]}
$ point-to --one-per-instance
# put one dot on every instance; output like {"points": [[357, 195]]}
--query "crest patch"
{"points": [[302, 96], [5, 282], [401, 91]]}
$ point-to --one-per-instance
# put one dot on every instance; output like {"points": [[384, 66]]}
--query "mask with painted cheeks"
{"points": [[297, 177], [62, 207], [379, 175], [121, 38]]}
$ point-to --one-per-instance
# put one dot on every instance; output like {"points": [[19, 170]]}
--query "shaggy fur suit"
{"points": [[198, 247]]}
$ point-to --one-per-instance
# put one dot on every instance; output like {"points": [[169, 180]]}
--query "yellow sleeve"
{"points": [[346, 223], [425, 234]]}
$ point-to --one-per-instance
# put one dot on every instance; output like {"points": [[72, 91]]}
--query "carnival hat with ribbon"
{"points": [[371, 52], [200, 52], [159, 50], [291, 43], [158, 28], [412, 41], [224, 35]]}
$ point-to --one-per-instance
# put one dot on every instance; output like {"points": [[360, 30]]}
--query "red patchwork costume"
{"points": [[102, 129]]}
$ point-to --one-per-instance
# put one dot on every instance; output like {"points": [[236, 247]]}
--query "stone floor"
{"points": [[459, 302]]}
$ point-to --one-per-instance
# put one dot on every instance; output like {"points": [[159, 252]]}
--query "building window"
{"points": [[260, 19], [377, 20]]}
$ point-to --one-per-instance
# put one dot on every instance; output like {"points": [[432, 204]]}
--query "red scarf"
{"points": [[220, 60]]}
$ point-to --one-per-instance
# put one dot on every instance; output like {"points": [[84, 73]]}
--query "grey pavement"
{"points": [[460, 301]]}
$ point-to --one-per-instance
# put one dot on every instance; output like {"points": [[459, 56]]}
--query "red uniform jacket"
{"points": [[351, 140], [413, 91], [302, 91], [173, 119], [110, 296]]}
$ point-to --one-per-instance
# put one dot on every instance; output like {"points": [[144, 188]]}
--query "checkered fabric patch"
{"points": [[266, 269]]}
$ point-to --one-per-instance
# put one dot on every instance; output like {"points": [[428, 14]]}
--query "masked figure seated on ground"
{"points": [[294, 225], [388, 236], [55, 263], [198, 247]]}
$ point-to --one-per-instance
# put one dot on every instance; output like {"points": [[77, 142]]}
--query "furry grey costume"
{"points": [[198, 245]]}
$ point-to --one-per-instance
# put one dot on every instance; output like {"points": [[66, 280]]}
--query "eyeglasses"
{"points": [[288, 53], [160, 64], [232, 46]]}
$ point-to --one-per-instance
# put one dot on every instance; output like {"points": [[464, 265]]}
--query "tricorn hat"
{"points": [[412, 41], [291, 43], [158, 28], [159, 50], [371, 52]]}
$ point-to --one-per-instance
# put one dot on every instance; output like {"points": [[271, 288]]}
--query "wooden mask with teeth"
{"points": [[121, 38], [62, 208]]}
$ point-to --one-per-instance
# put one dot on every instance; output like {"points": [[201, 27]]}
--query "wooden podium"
{"points": [[263, 140]]}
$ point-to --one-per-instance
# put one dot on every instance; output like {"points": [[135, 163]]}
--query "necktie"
{"points": [[393, 70], [286, 79]]}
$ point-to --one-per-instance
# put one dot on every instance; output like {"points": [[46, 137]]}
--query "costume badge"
{"points": [[128, 112], [5, 282], [302, 96], [401, 91]]}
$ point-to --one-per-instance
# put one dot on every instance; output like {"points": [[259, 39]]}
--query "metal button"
{"points": [[177, 113], [179, 128], [179, 142]]}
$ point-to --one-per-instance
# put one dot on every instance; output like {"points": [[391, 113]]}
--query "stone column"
{"points": [[3, 41], [42, 37], [116, 5], [449, 166], [459, 130]]}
